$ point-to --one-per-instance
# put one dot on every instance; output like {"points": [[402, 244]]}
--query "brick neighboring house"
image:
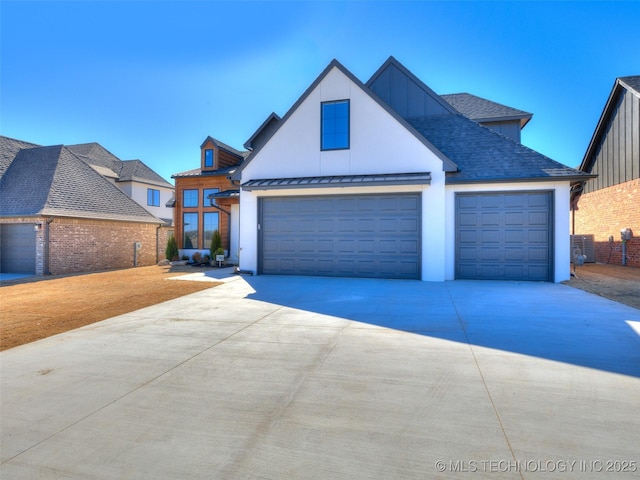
{"points": [[196, 217], [610, 202], [60, 213]]}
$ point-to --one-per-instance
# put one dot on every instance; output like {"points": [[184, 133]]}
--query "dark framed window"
{"points": [[190, 198], [208, 157], [153, 197], [205, 196], [335, 125], [211, 222], [189, 230]]}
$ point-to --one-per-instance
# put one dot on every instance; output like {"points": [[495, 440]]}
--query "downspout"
{"points": [[158, 243], [228, 222]]}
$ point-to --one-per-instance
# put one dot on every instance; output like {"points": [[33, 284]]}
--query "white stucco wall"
{"points": [[561, 194], [378, 144], [138, 193]]}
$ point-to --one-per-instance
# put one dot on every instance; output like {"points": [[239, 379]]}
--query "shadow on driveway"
{"points": [[545, 320]]}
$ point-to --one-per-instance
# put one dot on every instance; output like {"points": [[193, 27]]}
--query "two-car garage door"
{"points": [[504, 236], [375, 236]]}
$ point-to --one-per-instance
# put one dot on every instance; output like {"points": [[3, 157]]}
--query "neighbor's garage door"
{"points": [[504, 236], [18, 248], [374, 236]]}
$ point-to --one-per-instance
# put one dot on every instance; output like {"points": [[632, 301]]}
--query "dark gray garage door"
{"points": [[375, 236], [17, 248], [504, 236]]}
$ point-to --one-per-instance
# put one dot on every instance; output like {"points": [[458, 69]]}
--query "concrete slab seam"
{"points": [[484, 382]]}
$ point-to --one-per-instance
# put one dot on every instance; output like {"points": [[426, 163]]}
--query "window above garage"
{"points": [[335, 125]]}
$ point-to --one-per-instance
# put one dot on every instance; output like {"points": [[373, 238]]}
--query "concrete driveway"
{"points": [[324, 378]]}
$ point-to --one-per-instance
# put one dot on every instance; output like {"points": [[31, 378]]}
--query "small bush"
{"points": [[197, 257], [216, 244], [171, 251]]}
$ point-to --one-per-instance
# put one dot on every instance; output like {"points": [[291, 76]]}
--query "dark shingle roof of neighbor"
{"points": [[483, 110], [54, 181], [122, 170], [484, 155], [137, 170], [9, 147], [632, 82]]}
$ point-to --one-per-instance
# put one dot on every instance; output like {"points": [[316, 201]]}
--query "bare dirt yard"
{"points": [[614, 282], [37, 307]]}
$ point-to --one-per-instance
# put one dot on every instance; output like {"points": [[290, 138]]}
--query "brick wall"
{"points": [[604, 213], [79, 245]]}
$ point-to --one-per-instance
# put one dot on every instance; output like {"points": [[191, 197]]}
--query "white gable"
{"points": [[378, 142]]}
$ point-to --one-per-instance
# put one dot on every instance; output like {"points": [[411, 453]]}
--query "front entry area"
{"points": [[373, 236]]}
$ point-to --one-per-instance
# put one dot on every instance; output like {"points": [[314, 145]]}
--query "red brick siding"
{"points": [[79, 245], [604, 213]]}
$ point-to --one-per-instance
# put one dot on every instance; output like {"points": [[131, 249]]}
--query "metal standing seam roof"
{"points": [[387, 179]]}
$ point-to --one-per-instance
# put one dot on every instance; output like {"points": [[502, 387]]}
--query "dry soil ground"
{"points": [[615, 282], [37, 307]]}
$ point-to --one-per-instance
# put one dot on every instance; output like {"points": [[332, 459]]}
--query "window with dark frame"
{"points": [[205, 196], [208, 158], [189, 198], [210, 224], [153, 197], [335, 125], [190, 230]]}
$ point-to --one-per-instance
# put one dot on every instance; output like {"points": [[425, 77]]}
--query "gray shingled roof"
{"points": [[632, 82], [9, 147], [137, 170], [483, 110], [123, 171], [484, 155], [53, 181]]}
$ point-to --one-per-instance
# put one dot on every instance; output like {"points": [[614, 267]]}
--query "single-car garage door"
{"points": [[17, 248], [375, 236], [504, 236]]}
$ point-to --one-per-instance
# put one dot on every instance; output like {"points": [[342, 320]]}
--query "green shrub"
{"points": [[171, 251], [216, 244]]}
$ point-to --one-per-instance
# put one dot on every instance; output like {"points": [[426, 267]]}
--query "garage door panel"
{"points": [[504, 235], [367, 235], [18, 248]]}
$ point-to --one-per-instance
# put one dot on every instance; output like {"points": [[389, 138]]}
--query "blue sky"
{"points": [[150, 80]]}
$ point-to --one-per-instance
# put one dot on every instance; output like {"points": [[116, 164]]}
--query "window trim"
{"points": [[184, 231], [322, 124], [197, 197], [155, 197], [213, 161], [205, 199]]}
